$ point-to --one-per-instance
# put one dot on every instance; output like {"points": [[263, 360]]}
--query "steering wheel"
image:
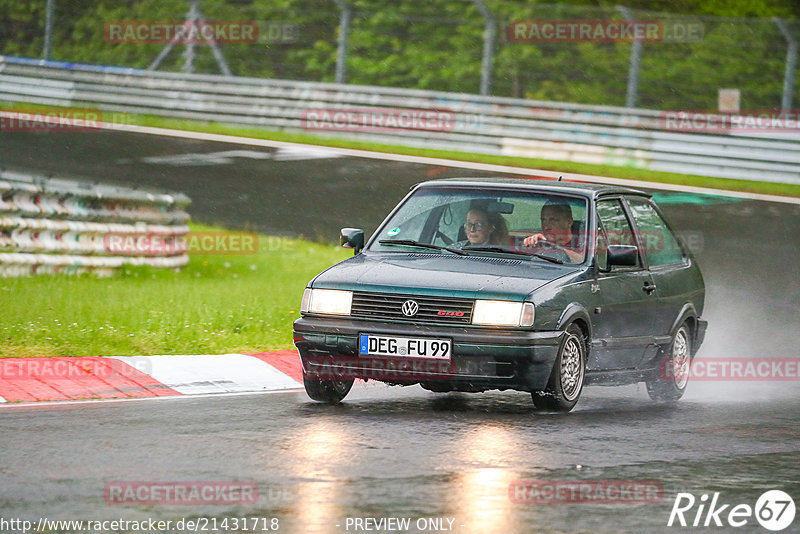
{"points": [[550, 247], [447, 241]]}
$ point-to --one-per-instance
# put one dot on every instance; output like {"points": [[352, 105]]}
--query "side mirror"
{"points": [[623, 255], [352, 238]]}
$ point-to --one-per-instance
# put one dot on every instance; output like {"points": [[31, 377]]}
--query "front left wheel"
{"points": [[325, 390], [566, 380]]}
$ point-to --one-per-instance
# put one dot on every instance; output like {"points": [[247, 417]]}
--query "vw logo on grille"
{"points": [[410, 308]]}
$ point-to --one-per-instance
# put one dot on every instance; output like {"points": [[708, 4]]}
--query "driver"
{"points": [[557, 231]]}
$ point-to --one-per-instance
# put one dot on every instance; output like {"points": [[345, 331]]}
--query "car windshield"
{"points": [[479, 221]]}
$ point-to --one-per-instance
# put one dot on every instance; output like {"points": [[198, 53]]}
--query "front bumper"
{"points": [[482, 357]]}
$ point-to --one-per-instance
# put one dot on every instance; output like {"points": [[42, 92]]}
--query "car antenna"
{"points": [[559, 178]]}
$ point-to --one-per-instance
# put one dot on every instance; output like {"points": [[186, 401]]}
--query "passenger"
{"points": [[557, 225], [484, 228]]}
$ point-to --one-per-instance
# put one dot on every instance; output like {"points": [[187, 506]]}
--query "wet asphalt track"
{"points": [[403, 451]]}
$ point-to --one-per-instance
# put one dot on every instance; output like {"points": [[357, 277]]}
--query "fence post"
{"points": [[215, 50], [791, 64], [192, 18], [48, 29], [188, 52], [345, 17], [631, 95], [488, 47]]}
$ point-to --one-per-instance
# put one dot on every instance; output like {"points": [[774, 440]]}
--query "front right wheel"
{"points": [[566, 380]]}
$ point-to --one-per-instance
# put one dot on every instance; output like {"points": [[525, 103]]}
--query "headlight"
{"points": [[502, 313], [329, 301]]}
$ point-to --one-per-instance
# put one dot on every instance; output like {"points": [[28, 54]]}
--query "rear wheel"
{"points": [[566, 380], [324, 390], [672, 376]]}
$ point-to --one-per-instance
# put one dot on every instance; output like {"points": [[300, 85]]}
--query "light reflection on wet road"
{"points": [[400, 452]]}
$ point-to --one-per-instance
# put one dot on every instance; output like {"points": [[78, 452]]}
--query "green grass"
{"points": [[216, 304], [631, 173]]}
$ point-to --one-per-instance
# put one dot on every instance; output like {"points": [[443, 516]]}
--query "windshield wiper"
{"points": [[412, 243], [513, 251]]}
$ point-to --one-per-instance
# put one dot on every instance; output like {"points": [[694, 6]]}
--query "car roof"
{"points": [[535, 184]]}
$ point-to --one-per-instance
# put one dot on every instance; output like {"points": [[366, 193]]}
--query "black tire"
{"points": [[670, 380], [566, 380], [324, 390]]}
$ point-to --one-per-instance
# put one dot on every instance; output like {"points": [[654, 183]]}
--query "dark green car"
{"points": [[479, 284]]}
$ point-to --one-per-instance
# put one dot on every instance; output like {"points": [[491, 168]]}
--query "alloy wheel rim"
{"points": [[680, 359], [571, 368]]}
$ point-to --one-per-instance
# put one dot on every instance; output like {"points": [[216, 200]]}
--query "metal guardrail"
{"points": [[53, 225], [490, 125]]}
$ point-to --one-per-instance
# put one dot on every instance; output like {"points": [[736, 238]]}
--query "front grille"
{"points": [[384, 306]]}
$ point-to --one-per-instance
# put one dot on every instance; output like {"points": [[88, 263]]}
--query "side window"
{"points": [[659, 244], [615, 224]]}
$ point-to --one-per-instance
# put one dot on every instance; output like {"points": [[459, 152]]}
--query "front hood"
{"points": [[442, 275]]}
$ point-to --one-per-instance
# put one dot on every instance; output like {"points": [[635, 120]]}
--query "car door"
{"points": [[667, 262], [622, 329]]}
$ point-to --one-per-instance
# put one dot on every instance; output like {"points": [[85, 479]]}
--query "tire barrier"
{"points": [[56, 226]]}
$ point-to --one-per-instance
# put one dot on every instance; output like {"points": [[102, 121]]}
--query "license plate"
{"points": [[405, 347]]}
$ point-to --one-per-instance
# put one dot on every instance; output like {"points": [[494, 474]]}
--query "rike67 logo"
{"points": [[774, 510]]}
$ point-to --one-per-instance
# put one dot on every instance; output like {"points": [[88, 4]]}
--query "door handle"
{"points": [[649, 288]]}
